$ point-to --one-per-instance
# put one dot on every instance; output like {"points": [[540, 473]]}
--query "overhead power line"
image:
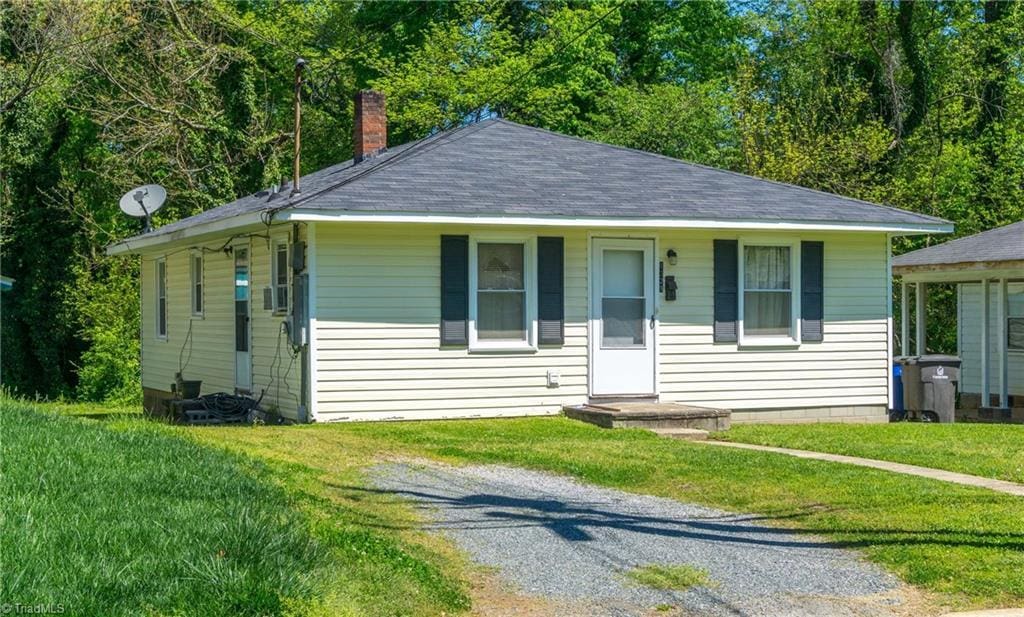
{"points": [[433, 138], [330, 62], [491, 100]]}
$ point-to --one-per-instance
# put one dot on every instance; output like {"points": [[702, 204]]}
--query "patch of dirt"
{"points": [[905, 601]]}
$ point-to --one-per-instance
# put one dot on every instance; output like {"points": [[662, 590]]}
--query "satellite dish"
{"points": [[143, 201]]}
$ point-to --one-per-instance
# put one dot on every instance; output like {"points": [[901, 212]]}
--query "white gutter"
{"points": [[300, 214], [308, 215], [136, 245]]}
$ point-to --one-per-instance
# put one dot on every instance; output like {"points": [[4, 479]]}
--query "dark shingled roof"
{"points": [[500, 168], [1000, 244]]}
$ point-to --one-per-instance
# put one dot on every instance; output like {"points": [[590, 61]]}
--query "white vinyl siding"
{"points": [[969, 338], [850, 367], [378, 333], [208, 352], [378, 339]]}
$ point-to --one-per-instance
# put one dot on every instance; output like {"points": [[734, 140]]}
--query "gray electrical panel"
{"points": [[298, 256], [300, 310]]}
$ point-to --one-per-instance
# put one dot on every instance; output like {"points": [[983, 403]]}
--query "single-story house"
{"points": [[502, 270], [988, 270]]}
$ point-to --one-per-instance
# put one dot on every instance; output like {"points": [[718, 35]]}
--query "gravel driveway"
{"points": [[558, 539]]}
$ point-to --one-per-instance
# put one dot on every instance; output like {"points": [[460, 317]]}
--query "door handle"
{"points": [[653, 315]]}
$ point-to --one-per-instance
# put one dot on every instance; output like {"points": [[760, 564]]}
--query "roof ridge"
{"points": [[715, 169]]}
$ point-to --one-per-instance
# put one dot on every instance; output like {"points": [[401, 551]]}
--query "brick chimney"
{"points": [[370, 130]]}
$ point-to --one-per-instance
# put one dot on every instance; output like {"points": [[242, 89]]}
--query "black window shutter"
{"points": [[726, 287], [812, 291], [551, 291], [454, 290]]}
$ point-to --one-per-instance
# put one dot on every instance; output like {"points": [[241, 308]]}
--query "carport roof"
{"points": [[995, 246]]}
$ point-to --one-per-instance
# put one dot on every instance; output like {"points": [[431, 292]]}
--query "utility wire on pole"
{"points": [[423, 143], [299, 65]]}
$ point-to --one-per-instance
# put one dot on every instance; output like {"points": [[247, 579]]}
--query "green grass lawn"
{"points": [[678, 577], [126, 514], [127, 517], [964, 544], [990, 450]]}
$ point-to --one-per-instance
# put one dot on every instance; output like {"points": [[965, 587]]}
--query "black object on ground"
{"points": [[217, 408]]}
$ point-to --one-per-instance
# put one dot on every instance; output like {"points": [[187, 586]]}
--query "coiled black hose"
{"points": [[228, 407]]}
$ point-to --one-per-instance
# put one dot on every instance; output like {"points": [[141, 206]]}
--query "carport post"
{"points": [[919, 300], [1001, 346], [986, 385], [904, 319]]}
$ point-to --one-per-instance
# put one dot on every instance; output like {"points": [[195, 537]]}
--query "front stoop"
{"points": [[649, 415], [686, 434]]}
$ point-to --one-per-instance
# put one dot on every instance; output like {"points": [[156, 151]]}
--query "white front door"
{"points": [[622, 318], [243, 327]]}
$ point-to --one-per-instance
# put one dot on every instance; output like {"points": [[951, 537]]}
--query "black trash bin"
{"points": [[929, 386]]}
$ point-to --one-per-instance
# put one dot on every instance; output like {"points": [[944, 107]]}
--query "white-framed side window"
{"points": [[160, 268], [1015, 322], [196, 282], [279, 273], [502, 293], [769, 292]]}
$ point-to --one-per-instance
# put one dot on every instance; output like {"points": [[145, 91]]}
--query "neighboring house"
{"points": [[503, 270], [988, 269]]}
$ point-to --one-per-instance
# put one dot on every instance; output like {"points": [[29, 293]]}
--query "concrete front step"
{"points": [[650, 416], [688, 434]]}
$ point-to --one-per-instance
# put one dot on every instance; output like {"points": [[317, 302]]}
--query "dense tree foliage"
{"points": [[914, 104]]}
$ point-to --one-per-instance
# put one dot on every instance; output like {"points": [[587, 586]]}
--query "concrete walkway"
{"points": [[1002, 486], [993, 612]]}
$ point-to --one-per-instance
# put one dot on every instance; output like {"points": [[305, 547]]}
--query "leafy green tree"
{"points": [[916, 104]]}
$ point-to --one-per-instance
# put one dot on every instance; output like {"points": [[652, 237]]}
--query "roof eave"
{"points": [[140, 244], [960, 266], [316, 215], [963, 272]]}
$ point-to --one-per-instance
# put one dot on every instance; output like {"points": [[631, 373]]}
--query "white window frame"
{"points": [[793, 339], [193, 255], [276, 242], [529, 243], [1010, 314], [158, 264]]}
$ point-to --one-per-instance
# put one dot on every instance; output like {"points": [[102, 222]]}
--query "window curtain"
{"points": [[501, 292], [766, 267], [767, 302]]}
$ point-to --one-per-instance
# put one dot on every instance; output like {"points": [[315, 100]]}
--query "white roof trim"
{"points": [[965, 275], [300, 214], [310, 215], [137, 245]]}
